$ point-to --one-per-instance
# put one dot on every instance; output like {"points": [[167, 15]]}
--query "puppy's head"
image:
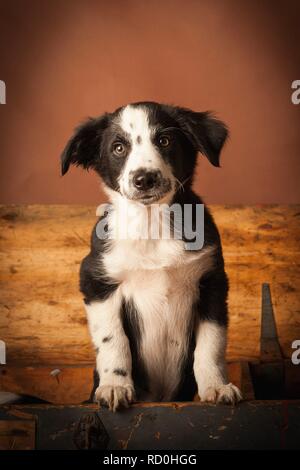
{"points": [[146, 151]]}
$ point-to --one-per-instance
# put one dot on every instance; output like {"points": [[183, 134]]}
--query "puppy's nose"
{"points": [[144, 180]]}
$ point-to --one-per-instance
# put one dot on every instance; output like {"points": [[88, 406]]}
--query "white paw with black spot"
{"points": [[114, 396], [226, 393]]}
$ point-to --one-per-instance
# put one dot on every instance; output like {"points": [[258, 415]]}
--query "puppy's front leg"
{"points": [[113, 360], [209, 364]]}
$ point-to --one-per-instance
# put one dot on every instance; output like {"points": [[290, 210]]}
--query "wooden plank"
{"points": [[250, 425], [58, 385], [74, 384], [42, 318], [17, 435]]}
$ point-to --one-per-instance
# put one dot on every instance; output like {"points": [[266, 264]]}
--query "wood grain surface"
{"points": [[42, 319], [17, 434], [74, 385]]}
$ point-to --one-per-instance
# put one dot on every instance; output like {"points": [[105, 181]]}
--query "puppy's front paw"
{"points": [[228, 394], [114, 397]]}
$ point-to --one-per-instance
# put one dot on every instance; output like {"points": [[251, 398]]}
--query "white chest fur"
{"points": [[162, 279]]}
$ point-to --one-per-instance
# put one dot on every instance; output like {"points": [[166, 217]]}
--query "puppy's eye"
{"points": [[164, 141], [119, 149]]}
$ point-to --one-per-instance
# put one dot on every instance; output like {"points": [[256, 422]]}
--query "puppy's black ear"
{"points": [[204, 131], [84, 146]]}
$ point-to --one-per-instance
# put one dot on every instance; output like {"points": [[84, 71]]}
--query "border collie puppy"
{"points": [[157, 310]]}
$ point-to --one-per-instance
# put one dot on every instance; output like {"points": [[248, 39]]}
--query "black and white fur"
{"points": [[157, 313]]}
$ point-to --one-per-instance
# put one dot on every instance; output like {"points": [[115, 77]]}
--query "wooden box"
{"points": [[49, 355]]}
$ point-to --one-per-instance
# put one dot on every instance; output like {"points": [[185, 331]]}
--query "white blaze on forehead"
{"points": [[134, 121]]}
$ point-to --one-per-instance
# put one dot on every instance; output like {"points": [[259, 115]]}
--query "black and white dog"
{"points": [[157, 312]]}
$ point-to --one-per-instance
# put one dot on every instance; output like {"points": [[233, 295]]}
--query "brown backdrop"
{"points": [[65, 60]]}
